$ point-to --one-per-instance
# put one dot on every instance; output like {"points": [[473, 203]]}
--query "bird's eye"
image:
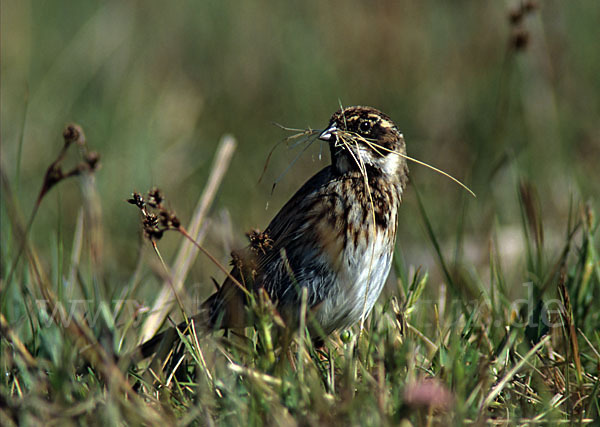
{"points": [[364, 126]]}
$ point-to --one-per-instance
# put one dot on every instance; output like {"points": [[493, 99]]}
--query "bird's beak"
{"points": [[328, 133]]}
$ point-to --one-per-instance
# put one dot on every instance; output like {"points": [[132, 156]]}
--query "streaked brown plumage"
{"points": [[335, 236]]}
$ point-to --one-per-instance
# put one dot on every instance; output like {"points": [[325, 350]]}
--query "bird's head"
{"points": [[362, 138]]}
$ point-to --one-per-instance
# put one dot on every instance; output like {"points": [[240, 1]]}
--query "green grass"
{"points": [[467, 353], [492, 312]]}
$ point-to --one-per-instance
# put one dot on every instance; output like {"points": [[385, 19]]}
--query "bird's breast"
{"points": [[357, 237]]}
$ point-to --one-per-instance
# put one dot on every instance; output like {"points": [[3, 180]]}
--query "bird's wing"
{"points": [[294, 258], [289, 258]]}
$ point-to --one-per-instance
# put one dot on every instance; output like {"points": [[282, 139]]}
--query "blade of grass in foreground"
{"points": [[510, 374]]}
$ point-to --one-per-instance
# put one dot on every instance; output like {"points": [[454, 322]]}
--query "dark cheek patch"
{"points": [[388, 139]]}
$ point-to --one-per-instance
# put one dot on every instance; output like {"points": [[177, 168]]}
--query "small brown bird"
{"points": [[335, 237]]}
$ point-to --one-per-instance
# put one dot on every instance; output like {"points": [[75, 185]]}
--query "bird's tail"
{"points": [[162, 343], [222, 310]]}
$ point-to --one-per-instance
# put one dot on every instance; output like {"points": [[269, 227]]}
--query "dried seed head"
{"points": [[150, 220], [137, 200], [175, 221], [168, 219], [259, 241], [519, 39], [164, 218], [156, 219], [515, 16], [151, 228], [155, 198], [54, 173], [73, 133], [92, 159], [529, 6]]}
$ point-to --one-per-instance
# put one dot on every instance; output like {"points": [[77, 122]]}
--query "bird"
{"points": [[333, 240]]}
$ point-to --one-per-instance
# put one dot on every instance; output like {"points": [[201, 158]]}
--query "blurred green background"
{"points": [[156, 84]]}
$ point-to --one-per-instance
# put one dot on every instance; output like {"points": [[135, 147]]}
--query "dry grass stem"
{"points": [[188, 251]]}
